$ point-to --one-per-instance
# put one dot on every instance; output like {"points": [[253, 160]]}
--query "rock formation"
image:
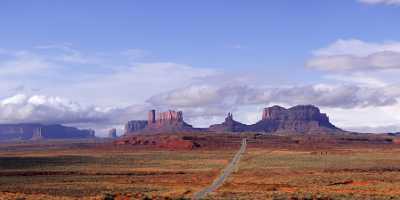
{"points": [[167, 122], [275, 119], [135, 126], [112, 133], [163, 122], [39, 131], [298, 119], [229, 125]]}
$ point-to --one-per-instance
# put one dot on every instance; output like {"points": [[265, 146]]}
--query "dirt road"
{"points": [[224, 175]]}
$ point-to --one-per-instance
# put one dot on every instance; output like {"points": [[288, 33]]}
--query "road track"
{"points": [[224, 174]]}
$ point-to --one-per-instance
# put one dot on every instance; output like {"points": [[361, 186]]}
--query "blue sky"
{"points": [[107, 56], [201, 33]]}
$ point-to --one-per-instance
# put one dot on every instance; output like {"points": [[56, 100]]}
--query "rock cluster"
{"points": [[298, 119]]}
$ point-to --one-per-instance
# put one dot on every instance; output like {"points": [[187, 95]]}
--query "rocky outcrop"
{"points": [[298, 119], [112, 133], [229, 125], [38, 131], [172, 142]]}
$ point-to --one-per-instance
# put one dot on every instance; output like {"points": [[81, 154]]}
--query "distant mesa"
{"points": [[9, 132], [304, 119], [298, 119]]}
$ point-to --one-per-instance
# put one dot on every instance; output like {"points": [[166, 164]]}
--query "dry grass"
{"points": [[89, 173], [341, 174], [272, 168]]}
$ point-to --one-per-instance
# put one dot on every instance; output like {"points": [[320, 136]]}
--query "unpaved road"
{"points": [[224, 175]]}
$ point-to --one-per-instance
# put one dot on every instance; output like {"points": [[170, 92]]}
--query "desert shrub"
{"points": [[109, 196]]}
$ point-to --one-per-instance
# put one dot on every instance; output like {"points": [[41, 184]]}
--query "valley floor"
{"points": [[265, 171]]}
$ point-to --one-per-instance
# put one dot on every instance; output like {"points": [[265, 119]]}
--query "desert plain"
{"points": [[272, 167]]}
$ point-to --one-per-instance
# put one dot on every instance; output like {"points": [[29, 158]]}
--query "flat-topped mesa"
{"points": [[302, 118], [301, 112]]}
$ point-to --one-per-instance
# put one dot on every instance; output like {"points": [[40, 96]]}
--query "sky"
{"points": [[98, 64]]}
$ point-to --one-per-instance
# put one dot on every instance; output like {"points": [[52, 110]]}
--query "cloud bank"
{"points": [[356, 55], [387, 2], [338, 96]]}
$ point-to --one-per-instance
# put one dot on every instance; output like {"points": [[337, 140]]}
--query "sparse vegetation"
{"points": [[340, 174], [108, 174], [273, 167]]}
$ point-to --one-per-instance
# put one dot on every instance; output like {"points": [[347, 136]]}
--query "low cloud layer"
{"points": [[356, 55], [338, 96]]}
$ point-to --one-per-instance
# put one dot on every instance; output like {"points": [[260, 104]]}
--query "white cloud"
{"points": [[44, 109], [22, 108], [356, 55], [387, 2]]}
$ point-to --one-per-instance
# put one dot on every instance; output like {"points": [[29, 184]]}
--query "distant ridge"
{"points": [[34, 131]]}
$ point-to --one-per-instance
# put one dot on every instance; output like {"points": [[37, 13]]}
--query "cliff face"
{"points": [[39, 131], [298, 119], [135, 126]]}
